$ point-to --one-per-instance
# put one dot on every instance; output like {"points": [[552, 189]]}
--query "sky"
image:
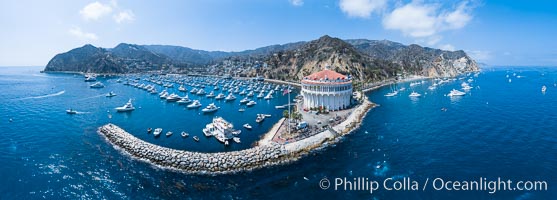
{"points": [[495, 32]]}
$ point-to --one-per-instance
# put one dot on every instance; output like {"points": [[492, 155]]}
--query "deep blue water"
{"points": [[498, 129]]}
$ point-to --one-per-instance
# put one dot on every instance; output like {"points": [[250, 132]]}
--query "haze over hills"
{"points": [[366, 60]]}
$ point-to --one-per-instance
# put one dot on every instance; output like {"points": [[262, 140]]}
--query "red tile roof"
{"points": [[326, 74]]}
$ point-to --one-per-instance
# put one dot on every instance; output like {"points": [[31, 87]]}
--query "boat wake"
{"points": [[44, 96]]}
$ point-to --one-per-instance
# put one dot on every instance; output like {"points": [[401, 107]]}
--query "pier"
{"points": [[265, 153]]}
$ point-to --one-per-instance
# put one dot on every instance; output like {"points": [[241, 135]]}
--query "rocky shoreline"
{"points": [[263, 155]]}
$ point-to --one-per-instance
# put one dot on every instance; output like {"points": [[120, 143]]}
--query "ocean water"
{"points": [[498, 129]]}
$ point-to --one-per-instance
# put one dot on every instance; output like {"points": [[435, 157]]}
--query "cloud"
{"points": [[124, 16], [361, 8], [95, 11], [479, 55], [77, 32], [297, 2], [447, 47], [425, 22]]}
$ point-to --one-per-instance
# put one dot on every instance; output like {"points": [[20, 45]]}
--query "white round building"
{"points": [[327, 89]]}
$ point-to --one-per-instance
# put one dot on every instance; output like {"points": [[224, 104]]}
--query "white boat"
{"points": [[269, 96], [260, 118], [250, 94], [157, 132], [391, 94], [173, 97], [260, 95], [201, 92], [127, 107], [193, 91], [111, 94], [544, 89], [97, 85], [195, 138], [90, 78], [244, 100], [220, 96], [168, 134], [221, 129], [414, 94], [211, 94], [465, 86], [230, 97], [184, 100], [241, 110], [71, 111], [247, 126], [195, 104], [243, 92], [182, 88], [210, 108], [280, 107], [456, 93], [251, 103], [236, 139]]}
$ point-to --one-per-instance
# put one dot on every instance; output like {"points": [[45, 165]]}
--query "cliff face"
{"points": [[365, 60]]}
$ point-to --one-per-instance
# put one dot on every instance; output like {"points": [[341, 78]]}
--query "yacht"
{"points": [[201, 92], [182, 88], [269, 96], [544, 89], [111, 94], [219, 96], [193, 91], [97, 85], [210, 108], [465, 86], [127, 107], [211, 94], [243, 92], [391, 94], [247, 126], [173, 97], [195, 104], [230, 97], [157, 132], [184, 100], [251, 103], [260, 95], [244, 100], [414, 94], [220, 129], [250, 94], [456, 93]]}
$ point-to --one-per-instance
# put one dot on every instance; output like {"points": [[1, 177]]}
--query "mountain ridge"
{"points": [[364, 59]]}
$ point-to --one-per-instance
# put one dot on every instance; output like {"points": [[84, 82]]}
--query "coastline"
{"points": [[265, 153]]}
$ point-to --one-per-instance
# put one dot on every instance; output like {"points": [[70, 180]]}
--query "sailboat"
{"points": [[393, 92]]}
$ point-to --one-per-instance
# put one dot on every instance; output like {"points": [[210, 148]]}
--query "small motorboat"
{"points": [[241, 110], [236, 139], [247, 126], [168, 134], [111, 94], [157, 132], [149, 130], [195, 138], [184, 134], [71, 111]]}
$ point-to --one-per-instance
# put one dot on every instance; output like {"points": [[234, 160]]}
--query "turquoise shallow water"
{"points": [[498, 129]]}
